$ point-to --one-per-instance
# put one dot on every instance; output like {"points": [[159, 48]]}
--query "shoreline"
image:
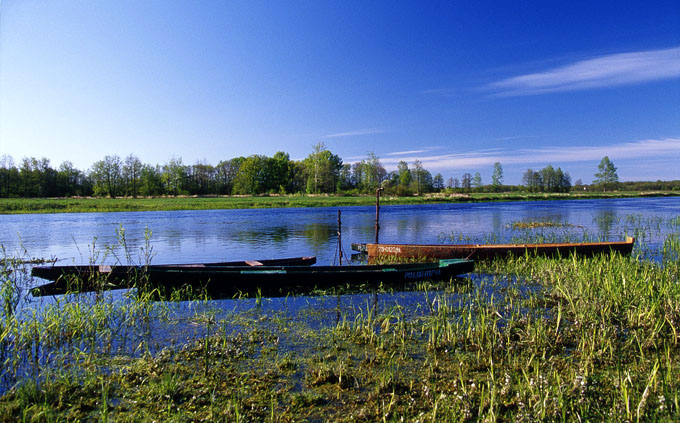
{"points": [[91, 204]]}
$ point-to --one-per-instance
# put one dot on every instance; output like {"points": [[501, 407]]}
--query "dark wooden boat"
{"points": [[280, 280], [488, 251], [54, 273]]}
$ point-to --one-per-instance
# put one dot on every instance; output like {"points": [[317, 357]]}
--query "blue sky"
{"points": [[457, 85]]}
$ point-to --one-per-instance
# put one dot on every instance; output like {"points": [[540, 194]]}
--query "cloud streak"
{"points": [[403, 153], [359, 132], [411, 152], [664, 148], [604, 71], [443, 92]]}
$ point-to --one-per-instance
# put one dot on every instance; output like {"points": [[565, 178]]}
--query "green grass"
{"points": [[83, 205], [529, 339]]}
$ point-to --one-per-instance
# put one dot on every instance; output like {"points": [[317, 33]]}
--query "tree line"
{"points": [[320, 172]]}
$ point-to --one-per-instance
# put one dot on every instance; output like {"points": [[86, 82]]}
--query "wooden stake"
{"points": [[340, 237], [377, 213]]}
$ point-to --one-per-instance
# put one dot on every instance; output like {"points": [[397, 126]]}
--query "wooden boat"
{"points": [[280, 280], [87, 278], [54, 273], [488, 251]]}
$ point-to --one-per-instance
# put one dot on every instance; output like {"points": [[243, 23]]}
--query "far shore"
{"points": [[89, 204]]}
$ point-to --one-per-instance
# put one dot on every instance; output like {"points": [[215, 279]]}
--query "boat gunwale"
{"points": [[629, 241], [53, 272], [440, 263]]}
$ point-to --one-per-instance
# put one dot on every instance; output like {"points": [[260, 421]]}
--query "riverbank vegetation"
{"points": [[93, 204], [521, 339], [322, 172]]}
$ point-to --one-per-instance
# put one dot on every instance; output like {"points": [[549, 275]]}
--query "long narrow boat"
{"points": [[487, 251], [280, 280], [54, 273]]}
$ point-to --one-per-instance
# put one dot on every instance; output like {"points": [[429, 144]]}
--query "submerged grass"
{"points": [[570, 339]]}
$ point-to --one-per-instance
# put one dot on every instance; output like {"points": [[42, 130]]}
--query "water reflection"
{"points": [[320, 236], [605, 220], [276, 234], [221, 235], [496, 221]]}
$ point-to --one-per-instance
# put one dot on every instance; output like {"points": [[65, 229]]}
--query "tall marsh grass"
{"points": [[525, 339]]}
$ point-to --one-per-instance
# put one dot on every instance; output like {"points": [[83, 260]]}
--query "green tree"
{"points": [[297, 177], [151, 181], [175, 175], [532, 180], [10, 178], [438, 182], [453, 183], [202, 178], [372, 173], [132, 170], [279, 167], [249, 179], [497, 176], [405, 176], [358, 174], [563, 181], [28, 178], [323, 170], [549, 178], [345, 181], [477, 181], [226, 174], [69, 180], [106, 176], [419, 176], [46, 176], [467, 181], [606, 175]]}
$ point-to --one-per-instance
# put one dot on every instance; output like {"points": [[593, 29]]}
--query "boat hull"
{"points": [[482, 251], [279, 280], [122, 272]]}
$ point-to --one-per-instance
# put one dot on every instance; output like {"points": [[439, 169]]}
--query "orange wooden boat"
{"points": [[487, 251]]}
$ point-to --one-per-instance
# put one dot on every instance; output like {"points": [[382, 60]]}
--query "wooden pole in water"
{"points": [[377, 213], [339, 238]]}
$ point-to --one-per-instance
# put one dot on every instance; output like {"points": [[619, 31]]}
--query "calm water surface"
{"points": [[196, 236], [215, 235]]}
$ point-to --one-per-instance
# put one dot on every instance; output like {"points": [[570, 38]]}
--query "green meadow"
{"points": [[87, 205]]}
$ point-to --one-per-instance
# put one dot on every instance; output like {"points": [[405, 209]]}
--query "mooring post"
{"points": [[340, 237], [377, 213]]}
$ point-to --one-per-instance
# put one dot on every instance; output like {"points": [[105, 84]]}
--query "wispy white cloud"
{"points": [[402, 153], [411, 152], [517, 137], [629, 150], [604, 71], [366, 131], [644, 149], [444, 92]]}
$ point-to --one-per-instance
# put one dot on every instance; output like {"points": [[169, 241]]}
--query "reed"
{"points": [[523, 339]]}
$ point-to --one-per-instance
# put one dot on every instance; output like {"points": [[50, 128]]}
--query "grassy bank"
{"points": [[522, 339], [84, 205]]}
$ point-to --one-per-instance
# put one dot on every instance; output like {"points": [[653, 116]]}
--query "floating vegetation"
{"points": [[522, 339], [540, 224], [10, 262]]}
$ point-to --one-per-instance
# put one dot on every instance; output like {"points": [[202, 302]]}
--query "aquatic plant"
{"points": [[523, 339]]}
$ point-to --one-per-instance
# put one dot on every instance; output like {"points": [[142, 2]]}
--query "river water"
{"points": [[216, 235], [220, 235]]}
